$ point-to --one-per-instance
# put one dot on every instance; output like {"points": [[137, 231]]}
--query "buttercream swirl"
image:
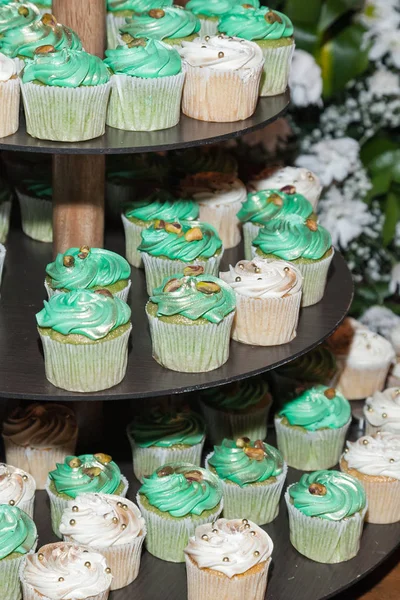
{"points": [[316, 366], [317, 408], [213, 188], [8, 68], [38, 189], [161, 205], [222, 53], [261, 207], [17, 531], [305, 182], [216, 8], [241, 395], [343, 495], [377, 455], [259, 24], [383, 410], [368, 349], [131, 168], [175, 23], [166, 429], [245, 547], [16, 486], [154, 59], [259, 278], [135, 6], [14, 15], [204, 159]]}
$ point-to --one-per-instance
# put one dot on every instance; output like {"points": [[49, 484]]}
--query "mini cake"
{"points": [[85, 339], [268, 298], [311, 429], [88, 473], [190, 318], [158, 438], [110, 525], [304, 181], [175, 500], [5, 210], [382, 412], [120, 10], [210, 11], [394, 375], [252, 475], [170, 24], [88, 268], [39, 436], [35, 202], [326, 515], [17, 488], [375, 461], [201, 159], [9, 96]]}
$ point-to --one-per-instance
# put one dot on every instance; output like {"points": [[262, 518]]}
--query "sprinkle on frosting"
{"points": [[259, 24], [383, 410], [261, 207], [259, 278], [16, 486], [170, 22], [167, 429], [148, 60], [241, 395], [377, 455], [17, 531], [222, 53]]}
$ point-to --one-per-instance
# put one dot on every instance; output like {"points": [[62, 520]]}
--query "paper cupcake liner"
{"points": [[208, 27], [29, 592], [9, 106], [122, 294], [190, 348], [36, 217], [65, 114], [357, 384], [220, 96], [130, 109], [86, 367], [114, 23], [250, 232], [157, 269], [10, 586], [19, 65], [322, 540], [58, 504], [314, 279], [223, 218], [310, 450], [168, 536], [266, 321], [209, 584], [2, 259], [230, 425], [258, 502], [133, 237], [117, 195], [274, 79], [28, 506], [5, 210]]}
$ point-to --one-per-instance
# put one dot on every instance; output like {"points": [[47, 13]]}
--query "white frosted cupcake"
{"points": [[9, 96], [304, 181], [394, 375], [382, 412], [228, 559], [268, 298], [110, 525], [17, 488]]}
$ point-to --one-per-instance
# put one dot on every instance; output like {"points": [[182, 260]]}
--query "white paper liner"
{"points": [[9, 106], [274, 79], [357, 384], [223, 218], [322, 540], [208, 27], [232, 425], [250, 232], [3, 253], [5, 209], [19, 65], [190, 348], [133, 238], [114, 23], [220, 96], [65, 114], [10, 585], [117, 195], [36, 217], [122, 294], [86, 367]]}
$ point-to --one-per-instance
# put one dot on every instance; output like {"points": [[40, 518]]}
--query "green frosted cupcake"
{"points": [[44, 6], [15, 15], [201, 159], [210, 11], [175, 500], [252, 475], [120, 10], [311, 430], [85, 339], [5, 210], [170, 24], [160, 438], [326, 516], [35, 202]]}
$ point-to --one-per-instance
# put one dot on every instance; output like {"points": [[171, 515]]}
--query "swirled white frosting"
{"points": [[242, 542], [383, 410], [16, 486], [58, 571], [305, 182], [102, 520], [259, 278], [395, 339], [375, 455], [222, 53], [8, 68], [215, 192], [368, 349]]}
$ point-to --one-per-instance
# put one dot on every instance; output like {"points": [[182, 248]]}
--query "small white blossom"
{"points": [[305, 80], [394, 285], [380, 15], [381, 320], [383, 83], [332, 160], [386, 43]]}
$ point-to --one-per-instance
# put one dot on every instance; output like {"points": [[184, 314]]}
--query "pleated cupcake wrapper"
{"points": [[58, 505], [65, 114], [322, 540], [140, 104], [19, 65], [158, 268], [208, 27], [266, 321], [122, 294], [190, 348], [2, 259], [29, 592], [220, 96], [357, 384], [5, 210], [223, 218], [28, 506], [36, 217], [133, 238], [86, 367], [10, 586], [208, 584], [274, 79], [250, 232], [168, 536], [310, 450], [314, 279], [114, 24], [372, 429], [232, 425], [9, 107]]}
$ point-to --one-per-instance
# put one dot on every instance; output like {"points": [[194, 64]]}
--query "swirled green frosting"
{"points": [[38, 189], [232, 463], [72, 481], [317, 366], [259, 24], [188, 301], [314, 410], [216, 8], [261, 207], [67, 68], [240, 395], [291, 238], [166, 429], [83, 312], [150, 61], [137, 6], [162, 205], [203, 159], [178, 496], [17, 531], [176, 23], [344, 497], [44, 3], [14, 15]]}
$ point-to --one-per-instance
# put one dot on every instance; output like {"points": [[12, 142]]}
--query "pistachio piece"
{"points": [[165, 471], [254, 453], [242, 442], [23, 11], [272, 17], [84, 249], [104, 292], [68, 261], [330, 393], [259, 444], [172, 285], [74, 463], [92, 471], [194, 476], [104, 459], [49, 19], [275, 199], [159, 224], [127, 38], [157, 13], [317, 489], [193, 270], [136, 42], [288, 189], [173, 227], [193, 234], [247, 6], [207, 287], [46, 49], [312, 225]]}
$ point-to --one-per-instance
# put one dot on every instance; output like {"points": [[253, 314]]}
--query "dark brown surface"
{"points": [[87, 18]]}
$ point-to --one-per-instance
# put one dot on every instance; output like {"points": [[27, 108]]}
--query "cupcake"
{"points": [[228, 559], [5, 210], [175, 500], [155, 207], [9, 96], [120, 10], [237, 410], [311, 429], [252, 475], [39, 436], [326, 515], [375, 462], [17, 488], [222, 78], [273, 33], [17, 15], [65, 95], [35, 202], [382, 412], [190, 318], [170, 24], [20, 165], [2, 259], [158, 438], [210, 11], [64, 570], [18, 538], [85, 339], [201, 159], [268, 297], [91, 269], [88, 473], [304, 243], [304, 181], [110, 525], [167, 248]]}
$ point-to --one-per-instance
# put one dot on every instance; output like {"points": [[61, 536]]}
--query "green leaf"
{"points": [[303, 12], [392, 216], [380, 184], [386, 160], [376, 146], [332, 10], [306, 38]]}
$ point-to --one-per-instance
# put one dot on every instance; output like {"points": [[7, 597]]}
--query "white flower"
{"points": [[305, 80], [386, 43], [331, 160], [381, 320], [394, 285], [384, 83], [379, 15]]}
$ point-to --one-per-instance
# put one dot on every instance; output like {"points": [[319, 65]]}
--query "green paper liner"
{"points": [[10, 585], [232, 425], [274, 79], [114, 23], [36, 217], [5, 210], [133, 238], [9, 106], [250, 232], [122, 294], [208, 27]]}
